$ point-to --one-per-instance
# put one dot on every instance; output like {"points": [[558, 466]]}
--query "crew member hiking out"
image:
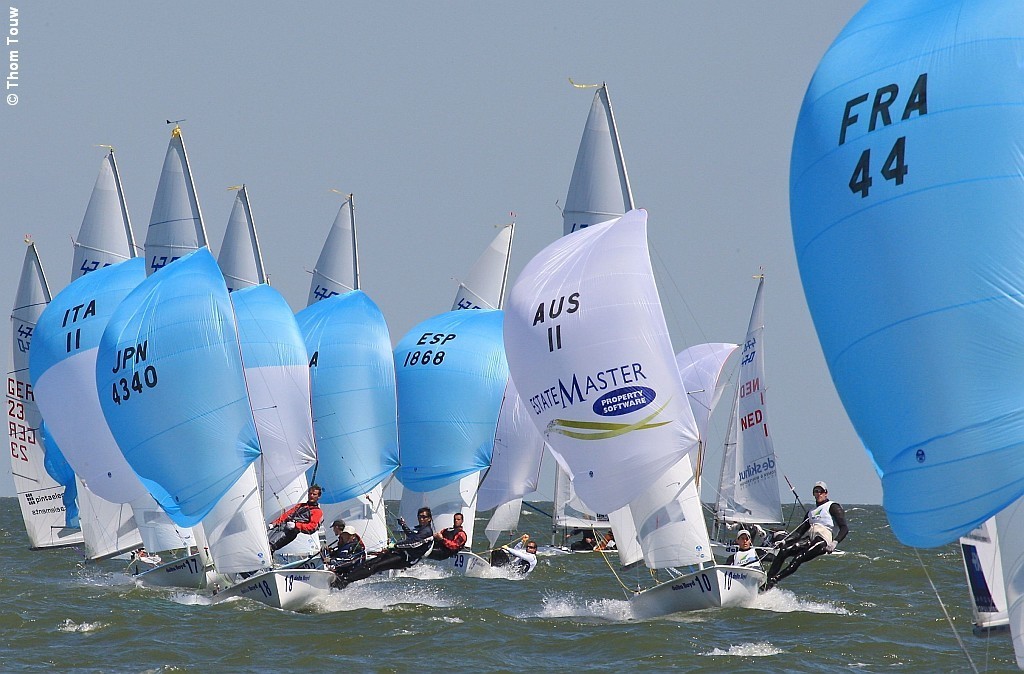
{"points": [[302, 518], [819, 534]]}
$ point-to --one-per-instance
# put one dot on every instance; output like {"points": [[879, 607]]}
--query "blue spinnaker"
{"points": [[172, 390], [451, 373], [352, 376], [907, 199], [63, 368]]}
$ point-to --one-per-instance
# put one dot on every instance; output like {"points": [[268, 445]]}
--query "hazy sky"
{"points": [[442, 118]]}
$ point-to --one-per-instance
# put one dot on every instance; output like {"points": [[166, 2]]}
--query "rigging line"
{"points": [[959, 641]]}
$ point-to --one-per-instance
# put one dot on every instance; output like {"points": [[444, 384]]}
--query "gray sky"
{"points": [[442, 118]]}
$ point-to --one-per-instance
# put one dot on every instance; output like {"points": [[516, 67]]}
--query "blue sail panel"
{"points": [[352, 376], [907, 204], [59, 469], [451, 373], [172, 389]]}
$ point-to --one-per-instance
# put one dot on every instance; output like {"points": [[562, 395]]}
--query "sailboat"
{"points": [[355, 415], [40, 497], [984, 570], [240, 256], [589, 350], [482, 288], [599, 191], [175, 339], [928, 371], [337, 273], [451, 375]]}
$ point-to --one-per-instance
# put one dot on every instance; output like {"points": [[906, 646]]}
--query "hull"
{"points": [[714, 587], [189, 572], [285, 589], [467, 564]]}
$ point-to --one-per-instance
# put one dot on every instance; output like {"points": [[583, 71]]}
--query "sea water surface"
{"points": [[869, 610]]}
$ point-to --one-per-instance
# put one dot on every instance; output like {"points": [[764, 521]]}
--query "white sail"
{"points": [[240, 256], [235, 529], [590, 353], [337, 269], [105, 236], [484, 287], [599, 188], [516, 459], [39, 495], [505, 518], [455, 497], [176, 224], [1011, 557], [108, 528], [750, 486], [669, 520], [700, 368]]}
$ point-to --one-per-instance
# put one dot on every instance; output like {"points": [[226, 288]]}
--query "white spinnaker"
{"points": [[700, 368], [589, 350]]}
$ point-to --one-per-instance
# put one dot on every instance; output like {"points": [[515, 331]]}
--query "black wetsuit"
{"points": [[402, 556], [802, 549]]}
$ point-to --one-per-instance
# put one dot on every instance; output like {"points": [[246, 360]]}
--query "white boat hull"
{"points": [[285, 589], [467, 564], [714, 587], [189, 572]]}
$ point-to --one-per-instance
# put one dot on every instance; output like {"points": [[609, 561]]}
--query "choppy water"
{"points": [[871, 610]]}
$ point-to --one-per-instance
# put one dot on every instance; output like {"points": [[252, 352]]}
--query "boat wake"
{"points": [[748, 650], [573, 606], [381, 596], [784, 601], [71, 626]]}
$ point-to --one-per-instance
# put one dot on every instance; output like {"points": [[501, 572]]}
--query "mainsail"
{"points": [[39, 495], [599, 188], [240, 257], [105, 236], [176, 224]]}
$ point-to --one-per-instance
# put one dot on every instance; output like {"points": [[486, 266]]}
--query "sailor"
{"points": [[348, 552], [524, 554], [824, 528], [585, 544], [450, 540], [747, 554], [300, 518], [417, 543]]}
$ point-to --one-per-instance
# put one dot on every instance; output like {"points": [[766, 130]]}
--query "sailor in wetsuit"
{"points": [[406, 553], [300, 518], [824, 528], [450, 540]]}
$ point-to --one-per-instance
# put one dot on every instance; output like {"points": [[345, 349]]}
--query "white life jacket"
{"points": [[821, 522], [746, 558]]}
